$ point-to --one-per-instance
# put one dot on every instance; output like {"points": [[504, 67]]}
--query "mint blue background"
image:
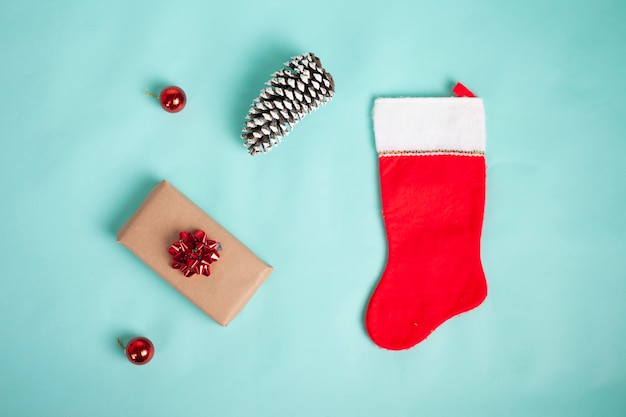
{"points": [[81, 145]]}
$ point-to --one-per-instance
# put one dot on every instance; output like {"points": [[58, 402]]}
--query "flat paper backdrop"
{"points": [[81, 145]]}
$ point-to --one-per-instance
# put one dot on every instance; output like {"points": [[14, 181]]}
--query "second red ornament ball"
{"points": [[139, 350], [172, 99]]}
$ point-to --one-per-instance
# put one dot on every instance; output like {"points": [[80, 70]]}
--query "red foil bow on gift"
{"points": [[193, 253]]}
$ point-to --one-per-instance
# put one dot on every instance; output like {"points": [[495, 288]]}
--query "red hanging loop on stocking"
{"points": [[460, 90]]}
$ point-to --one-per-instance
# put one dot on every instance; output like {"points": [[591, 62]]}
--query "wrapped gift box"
{"points": [[156, 224]]}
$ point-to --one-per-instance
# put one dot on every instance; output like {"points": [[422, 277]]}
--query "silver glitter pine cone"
{"points": [[299, 88]]}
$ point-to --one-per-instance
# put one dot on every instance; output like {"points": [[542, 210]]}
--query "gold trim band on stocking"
{"points": [[431, 152]]}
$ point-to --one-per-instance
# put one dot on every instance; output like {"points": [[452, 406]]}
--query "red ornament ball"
{"points": [[139, 350], [172, 99]]}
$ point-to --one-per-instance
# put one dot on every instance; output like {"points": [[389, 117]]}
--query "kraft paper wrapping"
{"points": [[156, 224]]}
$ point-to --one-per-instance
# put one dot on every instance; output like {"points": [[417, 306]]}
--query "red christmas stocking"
{"points": [[432, 174]]}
